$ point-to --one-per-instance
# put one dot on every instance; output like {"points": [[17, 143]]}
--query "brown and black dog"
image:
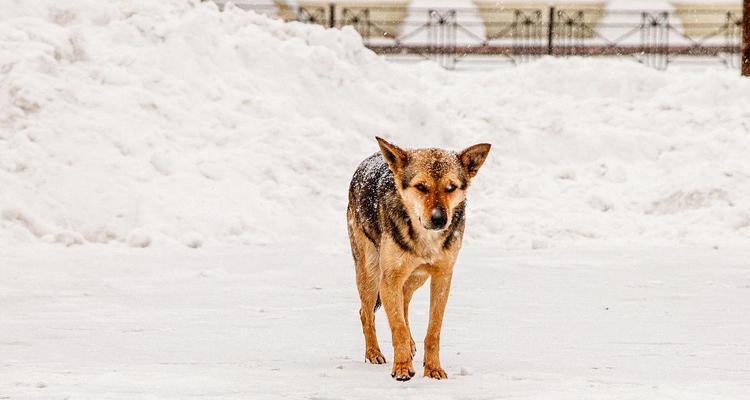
{"points": [[406, 224]]}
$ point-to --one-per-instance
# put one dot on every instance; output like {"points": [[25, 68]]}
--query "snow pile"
{"points": [[152, 123]]}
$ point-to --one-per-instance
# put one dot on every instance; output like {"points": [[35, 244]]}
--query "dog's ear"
{"points": [[393, 155], [473, 157]]}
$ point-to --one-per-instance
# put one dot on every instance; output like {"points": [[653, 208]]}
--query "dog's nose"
{"points": [[438, 218]]}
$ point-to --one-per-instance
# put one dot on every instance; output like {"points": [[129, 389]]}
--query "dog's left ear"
{"points": [[473, 157], [395, 156]]}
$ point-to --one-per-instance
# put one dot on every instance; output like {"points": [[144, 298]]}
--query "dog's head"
{"points": [[432, 182]]}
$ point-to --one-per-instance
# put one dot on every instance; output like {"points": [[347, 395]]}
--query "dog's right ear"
{"points": [[473, 157], [393, 155]]}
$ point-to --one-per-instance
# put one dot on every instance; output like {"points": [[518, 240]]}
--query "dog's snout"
{"points": [[438, 218]]}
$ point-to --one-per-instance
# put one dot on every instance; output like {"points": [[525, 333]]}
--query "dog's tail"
{"points": [[377, 303]]}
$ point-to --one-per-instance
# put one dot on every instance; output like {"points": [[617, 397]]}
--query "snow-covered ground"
{"points": [[265, 323]]}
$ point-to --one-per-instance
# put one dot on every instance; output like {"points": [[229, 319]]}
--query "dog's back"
{"points": [[372, 186]]}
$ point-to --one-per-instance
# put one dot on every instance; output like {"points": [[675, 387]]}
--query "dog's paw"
{"points": [[435, 373], [402, 371], [374, 356]]}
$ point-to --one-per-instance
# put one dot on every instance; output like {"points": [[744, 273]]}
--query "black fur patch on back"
{"points": [[364, 193], [376, 204]]}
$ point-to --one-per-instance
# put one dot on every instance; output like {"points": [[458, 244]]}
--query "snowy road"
{"points": [[244, 323]]}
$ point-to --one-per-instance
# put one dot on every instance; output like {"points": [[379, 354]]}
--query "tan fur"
{"points": [[394, 270]]}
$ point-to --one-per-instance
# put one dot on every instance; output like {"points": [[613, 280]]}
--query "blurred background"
{"points": [[475, 33]]}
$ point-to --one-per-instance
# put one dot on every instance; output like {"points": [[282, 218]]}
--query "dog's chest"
{"points": [[429, 246]]}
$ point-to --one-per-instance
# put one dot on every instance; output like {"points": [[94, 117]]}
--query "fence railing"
{"points": [[656, 38]]}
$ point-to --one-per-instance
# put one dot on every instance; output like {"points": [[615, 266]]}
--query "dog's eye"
{"points": [[451, 187], [421, 187]]}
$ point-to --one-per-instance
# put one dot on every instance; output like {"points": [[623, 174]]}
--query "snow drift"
{"points": [[151, 123]]}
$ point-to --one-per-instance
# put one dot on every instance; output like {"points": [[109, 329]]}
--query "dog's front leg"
{"points": [[440, 285], [392, 297]]}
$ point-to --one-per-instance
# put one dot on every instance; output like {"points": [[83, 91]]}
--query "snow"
{"points": [[172, 214], [154, 123], [236, 323]]}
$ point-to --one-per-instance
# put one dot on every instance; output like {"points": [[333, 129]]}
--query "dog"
{"points": [[406, 217]]}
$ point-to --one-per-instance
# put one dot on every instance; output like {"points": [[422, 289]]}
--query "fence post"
{"points": [[745, 53], [551, 30], [331, 15]]}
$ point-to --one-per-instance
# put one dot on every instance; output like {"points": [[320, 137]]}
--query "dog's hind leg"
{"points": [[415, 281], [368, 280]]}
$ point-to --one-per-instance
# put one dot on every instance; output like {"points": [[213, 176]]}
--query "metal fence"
{"points": [[450, 35]]}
